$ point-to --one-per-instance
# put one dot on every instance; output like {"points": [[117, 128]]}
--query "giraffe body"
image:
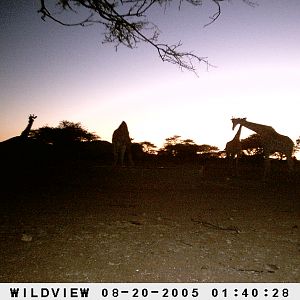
{"points": [[272, 142], [234, 147], [121, 143], [233, 150]]}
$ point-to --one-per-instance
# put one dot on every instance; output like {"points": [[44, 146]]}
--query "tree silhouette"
{"points": [[125, 22], [184, 149], [170, 147], [148, 147], [66, 133], [207, 149], [252, 144], [173, 140]]}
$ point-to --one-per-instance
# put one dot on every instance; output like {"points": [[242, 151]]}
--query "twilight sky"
{"points": [[61, 73]]}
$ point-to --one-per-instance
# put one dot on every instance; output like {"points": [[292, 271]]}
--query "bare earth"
{"points": [[84, 222]]}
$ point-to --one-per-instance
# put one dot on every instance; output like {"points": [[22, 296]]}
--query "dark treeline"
{"points": [[69, 141]]}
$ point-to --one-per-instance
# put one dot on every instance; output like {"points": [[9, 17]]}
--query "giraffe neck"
{"points": [[238, 134], [26, 131], [258, 128]]}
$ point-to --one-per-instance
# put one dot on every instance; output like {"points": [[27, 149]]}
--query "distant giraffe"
{"points": [[121, 143], [26, 131], [271, 141], [233, 149], [18, 147]]}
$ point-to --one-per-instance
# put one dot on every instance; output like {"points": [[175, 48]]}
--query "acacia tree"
{"points": [[207, 149], [252, 144], [148, 147], [176, 147], [65, 133], [125, 22]]}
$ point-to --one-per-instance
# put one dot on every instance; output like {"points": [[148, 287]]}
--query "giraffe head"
{"points": [[123, 126], [236, 121], [32, 117]]}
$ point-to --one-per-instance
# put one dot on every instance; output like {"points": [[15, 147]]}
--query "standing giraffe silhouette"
{"points": [[121, 142], [233, 150]]}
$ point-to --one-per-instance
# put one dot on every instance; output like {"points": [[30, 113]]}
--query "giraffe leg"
{"points": [[129, 154], [232, 165], [122, 153], [267, 165], [115, 151], [237, 171], [290, 162]]}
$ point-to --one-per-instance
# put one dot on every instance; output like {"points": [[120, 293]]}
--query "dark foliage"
{"points": [[252, 144]]}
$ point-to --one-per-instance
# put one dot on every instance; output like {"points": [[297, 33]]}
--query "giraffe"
{"points": [[26, 131], [271, 140], [121, 143], [19, 146], [233, 149]]}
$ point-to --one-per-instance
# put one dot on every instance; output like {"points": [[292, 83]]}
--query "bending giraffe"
{"points": [[271, 141], [121, 143], [26, 131], [233, 149]]}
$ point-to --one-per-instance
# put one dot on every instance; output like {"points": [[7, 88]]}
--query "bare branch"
{"points": [[217, 14], [125, 23]]}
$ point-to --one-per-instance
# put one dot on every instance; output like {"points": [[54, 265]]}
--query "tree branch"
{"points": [[126, 23]]}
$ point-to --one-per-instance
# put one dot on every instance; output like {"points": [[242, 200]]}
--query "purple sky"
{"points": [[61, 73]]}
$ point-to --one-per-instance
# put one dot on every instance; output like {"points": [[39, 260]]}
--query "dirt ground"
{"points": [[85, 222]]}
